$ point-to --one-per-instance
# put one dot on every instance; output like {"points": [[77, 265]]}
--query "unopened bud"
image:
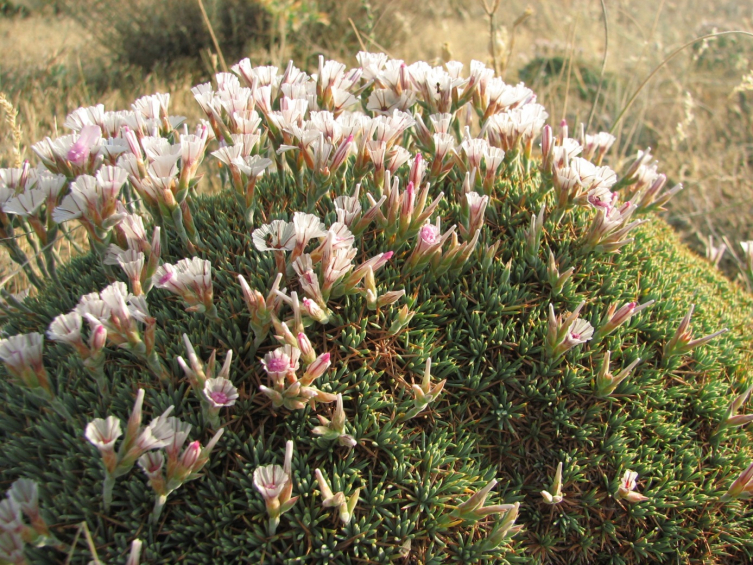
{"points": [[307, 351], [98, 338]]}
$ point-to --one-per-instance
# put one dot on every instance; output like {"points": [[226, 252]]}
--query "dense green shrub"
{"points": [[145, 34], [511, 409]]}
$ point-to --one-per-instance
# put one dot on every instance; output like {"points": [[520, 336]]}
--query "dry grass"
{"points": [[698, 127]]}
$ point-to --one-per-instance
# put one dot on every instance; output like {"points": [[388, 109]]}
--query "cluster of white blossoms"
{"points": [[376, 141]]}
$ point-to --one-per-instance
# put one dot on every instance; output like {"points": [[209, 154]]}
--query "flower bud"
{"points": [[404, 316], [314, 311], [307, 351], [98, 338], [316, 369]]}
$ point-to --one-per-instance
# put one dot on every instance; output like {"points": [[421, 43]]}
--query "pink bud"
{"points": [[623, 314], [342, 153], [417, 170], [133, 141], [563, 130], [316, 369], [546, 142], [98, 338], [307, 351], [314, 311], [190, 455], [409, 199]]}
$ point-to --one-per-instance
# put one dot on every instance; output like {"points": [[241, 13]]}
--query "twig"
{"points": [[90, 543], [490, 11], [527, 13], [603, 65], [7, 279], [569, 70], [373, 42], [358, 35], [214, 37], [667, 60], [73, 545]]}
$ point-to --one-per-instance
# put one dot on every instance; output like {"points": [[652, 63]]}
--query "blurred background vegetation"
{"points": [[695, 113]]}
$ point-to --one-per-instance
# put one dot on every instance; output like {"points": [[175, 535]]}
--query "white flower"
{"points": [[253, 165], [348, 208], [371, 63], [94, 198], [191, 279], [270, 480], [66, 328], [307, 227], [25, 204], [152, 462], [179, 431], [21, 352], [12, 547], [103, 433], [275, 236], [153, 106], [11, 519], [220, 392], [80, 117], [131, 261], [474, 149], [627, 488], [441, 122], [580, 331], [26, 494], [159, 433]]}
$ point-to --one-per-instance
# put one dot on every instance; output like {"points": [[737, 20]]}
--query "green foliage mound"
{"points": [[510, 410]]}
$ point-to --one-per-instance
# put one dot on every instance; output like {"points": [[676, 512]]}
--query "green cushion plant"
{"points": [[391, 388]]}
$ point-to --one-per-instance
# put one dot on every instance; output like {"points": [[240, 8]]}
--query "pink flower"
{"points": [[220, 392], [81, 148], [281, 361]]}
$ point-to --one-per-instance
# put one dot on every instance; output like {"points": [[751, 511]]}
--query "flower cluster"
{"points": [[682, 341], [286, 388], [22, 356], [32, 196], [335, 429], [66, 329], [181, 467], [191, 279], [104, 432], [134, 253], [424, 394], [275, 484], [120, 314], [375, 142], [473, 510], [605, 383], [215, 392], [345, 505], [555, 496], [22, 500], [565, 333], [328, 271]]}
